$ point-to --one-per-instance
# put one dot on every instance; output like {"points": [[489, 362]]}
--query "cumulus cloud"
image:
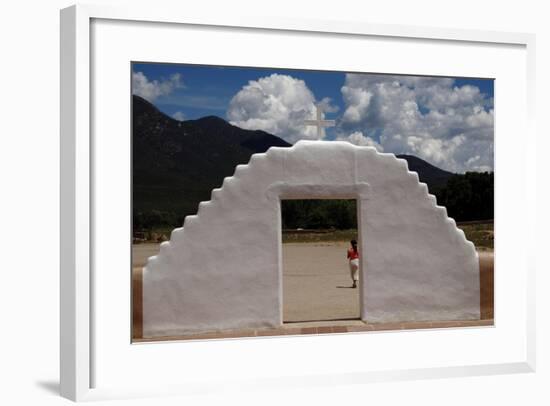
{"points": [[357, 138], [151, 90], [278, 104], [178, 115], [429, 117], [327, 106]]}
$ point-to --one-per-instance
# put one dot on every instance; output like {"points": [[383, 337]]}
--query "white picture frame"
{"points": [[78, 346]]}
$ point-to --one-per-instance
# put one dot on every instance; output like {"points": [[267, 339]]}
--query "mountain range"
{"points": [[176, 164]]}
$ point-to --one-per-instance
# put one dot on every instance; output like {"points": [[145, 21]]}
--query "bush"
{"points": [[319, 214], [153, 219]]}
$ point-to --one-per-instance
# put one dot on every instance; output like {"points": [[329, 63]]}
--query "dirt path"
{"points": [[317, 283]]}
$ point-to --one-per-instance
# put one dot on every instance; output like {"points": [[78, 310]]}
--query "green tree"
{"points": [[468, 196]]}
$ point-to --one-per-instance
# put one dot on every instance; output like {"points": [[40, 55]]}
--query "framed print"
{"points": [[315, 190], [282, 166]]}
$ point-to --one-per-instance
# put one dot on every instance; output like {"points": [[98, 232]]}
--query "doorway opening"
{"points": [[317, 276]]}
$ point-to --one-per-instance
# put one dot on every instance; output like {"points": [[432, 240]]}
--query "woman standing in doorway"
{"points": [[353, 257]]}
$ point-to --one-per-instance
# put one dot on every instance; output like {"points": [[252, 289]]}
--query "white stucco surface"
{"points": [[223, 268]]}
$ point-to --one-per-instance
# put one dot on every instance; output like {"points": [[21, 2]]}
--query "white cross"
{"points": [[320, 122]]}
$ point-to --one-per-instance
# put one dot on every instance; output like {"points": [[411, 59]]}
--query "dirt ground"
{"points": [[316, 283]]}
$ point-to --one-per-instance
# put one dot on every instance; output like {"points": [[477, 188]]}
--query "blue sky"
{"points": [[447, 121], [209, 89]]}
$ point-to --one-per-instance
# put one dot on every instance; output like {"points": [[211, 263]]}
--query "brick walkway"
{"points": [[322, 327]]}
